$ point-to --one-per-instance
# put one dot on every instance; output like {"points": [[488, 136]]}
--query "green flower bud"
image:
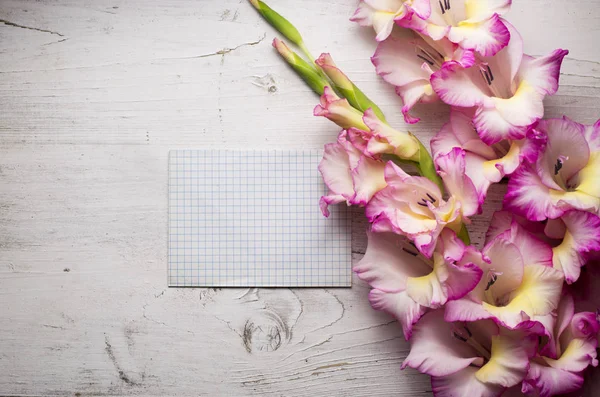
{"points": [[346, 88], [301, 67], [281, 24]]}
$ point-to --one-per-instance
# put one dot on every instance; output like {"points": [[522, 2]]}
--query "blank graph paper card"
{"points": [[252, 218]]}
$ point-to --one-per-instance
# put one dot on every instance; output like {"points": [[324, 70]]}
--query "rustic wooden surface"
{"points": [[93, 94]]}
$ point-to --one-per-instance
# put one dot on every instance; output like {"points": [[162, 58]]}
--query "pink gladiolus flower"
{"points": [[471, 358], [472, 24], [407, 60], [382, 14], [413, 206], [405, 283], [518, 283], [565, 175], [484, 164], [558, 367], [350, 176], [507, 89], [367, 132], [573, 237]]}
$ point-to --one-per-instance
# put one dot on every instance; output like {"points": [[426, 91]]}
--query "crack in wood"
{"points": [[16, 25], [111, 355]]}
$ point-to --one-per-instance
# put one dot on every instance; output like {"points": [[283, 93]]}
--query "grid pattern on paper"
{"points": [[251, 218]]}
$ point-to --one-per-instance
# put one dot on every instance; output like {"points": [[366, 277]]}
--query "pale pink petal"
{"points": [[533, 250], [592, 136], [508, 363], [509, 118], [452, 247], [480, 10], [501, 222], [413, 93], [555, 324], [422, 8], [506, 62], [582, 236], [537, 295], [335, 169], [458, 86], [577, 356], [462, 279], [435, 350], [565, 143], [396, 61], [465, 309], [451, 167], [447, 281], [380, 14], [367, 179], [463, 383], [399, 305], [528, 196], [585, 325], [402, 144], [486, 37], [328, 200], [507, 266], [460, 132], [544, 381], [542, 73], [389, 261]]}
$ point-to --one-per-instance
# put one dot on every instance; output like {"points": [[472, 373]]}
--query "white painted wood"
{"points": [[93, 94]]}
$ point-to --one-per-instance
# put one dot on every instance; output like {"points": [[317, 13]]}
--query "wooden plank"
{"points": [[93, 94]]}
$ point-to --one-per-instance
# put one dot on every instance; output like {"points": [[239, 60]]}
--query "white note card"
{"points": [[252, 219]]}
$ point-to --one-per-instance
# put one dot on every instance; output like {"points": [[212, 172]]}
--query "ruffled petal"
{"points": [[447, 281], [464, 383], [367, 179], [413, 93], [380, 14], [335, 169], [566, 144], [528, 196], [421, 7], [435, 350], [509, 118], [545, 381], [458, 86], [389, 260], [578, 355], [402, 144], [465, 309], [537, 295], [396, 60], [533, 250], [399, 305], [507, 267], [328, 200], [587, 186], [452, 167], [508, 363], [487, 37], [480, 10], [582, 236], [542, 73]]}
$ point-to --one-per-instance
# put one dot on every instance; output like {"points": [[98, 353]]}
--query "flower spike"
{"points": [[301, 67]]}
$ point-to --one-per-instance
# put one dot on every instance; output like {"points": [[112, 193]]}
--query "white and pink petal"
{"points": [[400, 305]]}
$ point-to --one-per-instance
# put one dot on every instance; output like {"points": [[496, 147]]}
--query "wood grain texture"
{"points": [[93, 94]]}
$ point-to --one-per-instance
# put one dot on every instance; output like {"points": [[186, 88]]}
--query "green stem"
{"points": [[463, 234], [312, 59], [427, 168]]}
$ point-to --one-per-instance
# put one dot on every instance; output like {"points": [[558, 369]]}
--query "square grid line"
{"points": [[252, 218]]}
